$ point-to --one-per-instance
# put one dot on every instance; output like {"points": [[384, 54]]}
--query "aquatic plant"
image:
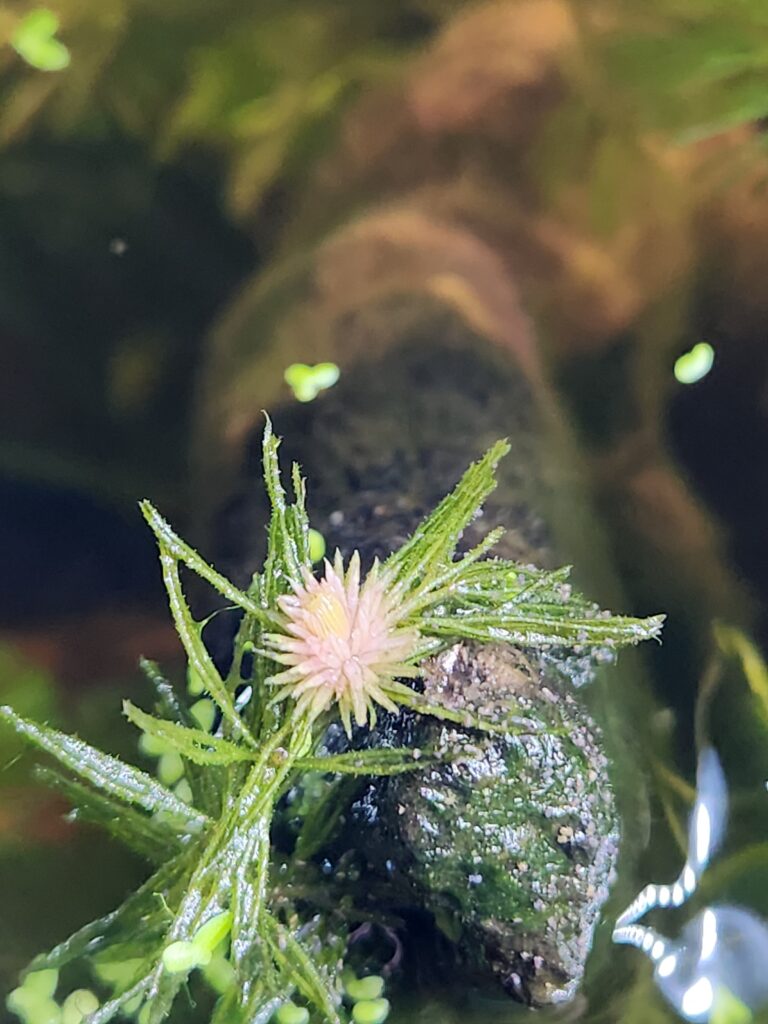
{"points": [[219, 900]]}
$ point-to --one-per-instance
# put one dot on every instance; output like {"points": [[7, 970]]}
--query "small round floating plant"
{"points": [[217, 906]]}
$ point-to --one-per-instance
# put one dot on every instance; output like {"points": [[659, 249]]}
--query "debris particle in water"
{"points": [[694, 365]]}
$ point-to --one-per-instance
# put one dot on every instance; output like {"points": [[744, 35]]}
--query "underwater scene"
{"points": [[384, 512]]}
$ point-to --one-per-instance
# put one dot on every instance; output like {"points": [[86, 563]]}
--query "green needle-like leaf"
{"points": [[288, 548], [537, 630], [107, 773], [197, 745], [149, 836], [392, 761], [199, 658], [434, 542], [408, 698], [298, 965], [178, 549], [142, 915]]}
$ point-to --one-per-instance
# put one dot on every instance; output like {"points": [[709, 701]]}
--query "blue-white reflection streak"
{"points": [[724, 949], [705, 834]]}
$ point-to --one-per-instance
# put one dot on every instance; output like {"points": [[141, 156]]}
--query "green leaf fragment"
{"points": [[316, 546], [183, 956], [35, 40], [434, 541], [214, 931], [170, 542], [371, 987], [220, 974], [170, 769], [371, 1011], [537, 630], [119, 973], [78, 1005], [694, 365], [33, 1007], [288, 545], [307, 382], [290, 1013], [183, 791], [204, 713], [195, 682], [42, 983], [299, 966], [729, 1009], [200, 660], [151, 746]]}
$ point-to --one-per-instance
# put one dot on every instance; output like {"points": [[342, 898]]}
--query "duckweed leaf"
{"points": [[35, 40], [316, 546], [695, 364], [307, 382]]}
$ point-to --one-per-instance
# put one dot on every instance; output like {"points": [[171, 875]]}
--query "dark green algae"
{"points": [[510, 843]]}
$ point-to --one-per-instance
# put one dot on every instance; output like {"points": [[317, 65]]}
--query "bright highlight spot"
{"points": [[306, 382], [697, 1001], [703, 835], [667, 966], [696, 364], [708, 935]]}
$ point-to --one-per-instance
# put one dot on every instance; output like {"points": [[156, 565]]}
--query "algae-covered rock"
{"points": [[513, 844]]}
